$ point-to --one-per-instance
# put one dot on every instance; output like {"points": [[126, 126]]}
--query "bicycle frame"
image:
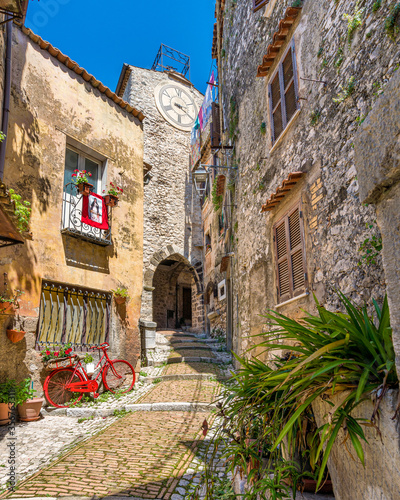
{"points": [[89, 385]]}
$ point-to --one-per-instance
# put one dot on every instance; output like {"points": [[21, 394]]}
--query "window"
{"points": [[75, 160], [73, 314], [222, 290], [71, 224], [290, 259], [207, 241], [257, 4], [283, 93]]}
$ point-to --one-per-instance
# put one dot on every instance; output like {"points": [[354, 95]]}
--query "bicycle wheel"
{"points": [[55, 388], [119, 376]]}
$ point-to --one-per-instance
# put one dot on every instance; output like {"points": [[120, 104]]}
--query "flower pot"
{"points": [[119, 300], [309, 486], [15, 335], [7, 308], [111, 200], [84, 188], [30, 410], [90, 368], [5, 410]]}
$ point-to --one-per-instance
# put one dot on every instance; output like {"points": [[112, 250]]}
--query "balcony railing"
{"points": [[71, 220]]}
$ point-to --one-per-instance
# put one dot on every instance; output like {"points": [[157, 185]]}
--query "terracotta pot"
{"points": [[84, 188], [5, 409], [310, 485], [111, 200], [7, 308], [119, 300], [30, 410], [15, 335]]}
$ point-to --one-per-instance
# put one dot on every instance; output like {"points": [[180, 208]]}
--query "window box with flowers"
{"points": [[112, 197], [80, 177], [60, 358]]}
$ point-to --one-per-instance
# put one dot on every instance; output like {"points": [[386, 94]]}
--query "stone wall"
{"points": [[170, 202], [50, 105], [319, 142], [378, 167]]}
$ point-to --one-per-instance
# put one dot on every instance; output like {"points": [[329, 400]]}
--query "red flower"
{"points": [[76, 170], [104, 190], [48, 353], [73, 175], [90, 175], [56, 353], [84, 171], [121, 190], [111, 184]]}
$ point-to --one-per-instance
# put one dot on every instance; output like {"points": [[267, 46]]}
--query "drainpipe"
{"points": [[7, 93]]}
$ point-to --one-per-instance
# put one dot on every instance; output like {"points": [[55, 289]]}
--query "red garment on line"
{"points": [[94, 211]]}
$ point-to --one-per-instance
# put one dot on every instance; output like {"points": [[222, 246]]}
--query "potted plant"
{"points": [[7, 390], [120, 295], [82, 182], [88, 359], [28, 406], [8, 304], [15, 335], [112, 196]]}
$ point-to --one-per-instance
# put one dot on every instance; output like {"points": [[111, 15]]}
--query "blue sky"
{"points": [[102, 35]]}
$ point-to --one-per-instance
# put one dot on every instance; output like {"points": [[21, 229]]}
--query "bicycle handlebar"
{"points": [[102, 346]]}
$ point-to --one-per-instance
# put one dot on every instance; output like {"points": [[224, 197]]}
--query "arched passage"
{"points": [[176, 289]]}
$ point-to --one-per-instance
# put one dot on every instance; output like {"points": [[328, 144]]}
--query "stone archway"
{"points": [[170, 271]]}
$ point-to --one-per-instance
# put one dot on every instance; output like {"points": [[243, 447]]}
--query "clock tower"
{"points": [[172, 244]]}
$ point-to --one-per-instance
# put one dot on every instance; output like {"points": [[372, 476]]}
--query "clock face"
{"points": [[176, 105]]}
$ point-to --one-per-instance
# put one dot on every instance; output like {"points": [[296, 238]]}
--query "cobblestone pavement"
{"points": [[144, 455], [193, 368], [191, 391]]}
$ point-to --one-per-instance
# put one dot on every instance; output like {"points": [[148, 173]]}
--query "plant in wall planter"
{"points": [[7, 399], [9, 304], [112, 197], [15, 335], [28, 406], [120, 295], [80, 177], [88, 359]]}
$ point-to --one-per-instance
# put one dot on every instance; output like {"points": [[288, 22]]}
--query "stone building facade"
{"points": [[335, 89], [172, 261], [307, 91], [59, 115]]}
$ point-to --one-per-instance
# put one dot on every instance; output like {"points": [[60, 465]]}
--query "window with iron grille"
{"points": [[283, 93], [290, 259], [73, 314], [257, 4]]}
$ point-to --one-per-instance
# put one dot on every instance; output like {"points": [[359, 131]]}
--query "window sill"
{"points": [[305, 294], [288, 126]]}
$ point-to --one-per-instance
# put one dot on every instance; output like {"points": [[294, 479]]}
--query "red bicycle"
{"points": [[63, 384]]}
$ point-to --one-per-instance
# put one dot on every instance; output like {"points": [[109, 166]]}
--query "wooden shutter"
{"points": [[215, 126], [290, 255], [257, 4], [283, 93]]}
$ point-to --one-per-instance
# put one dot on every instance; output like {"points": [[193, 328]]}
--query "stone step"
{"points": [[108, 412], [186, 376], [184, 360], [194, 346]]}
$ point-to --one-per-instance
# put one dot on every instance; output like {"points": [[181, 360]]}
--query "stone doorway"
{"points": [[176, 294]]}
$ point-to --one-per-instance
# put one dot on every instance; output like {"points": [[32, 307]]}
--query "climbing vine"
{"points": [[216, 199]]}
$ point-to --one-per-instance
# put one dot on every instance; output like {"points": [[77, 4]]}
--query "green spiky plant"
{"points": [[347, 355]]}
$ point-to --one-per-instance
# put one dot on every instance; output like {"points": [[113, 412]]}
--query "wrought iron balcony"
{"points": [[71, 219]]}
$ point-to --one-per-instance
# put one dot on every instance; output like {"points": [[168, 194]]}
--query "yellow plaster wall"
{"points": [[50, 102]]}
